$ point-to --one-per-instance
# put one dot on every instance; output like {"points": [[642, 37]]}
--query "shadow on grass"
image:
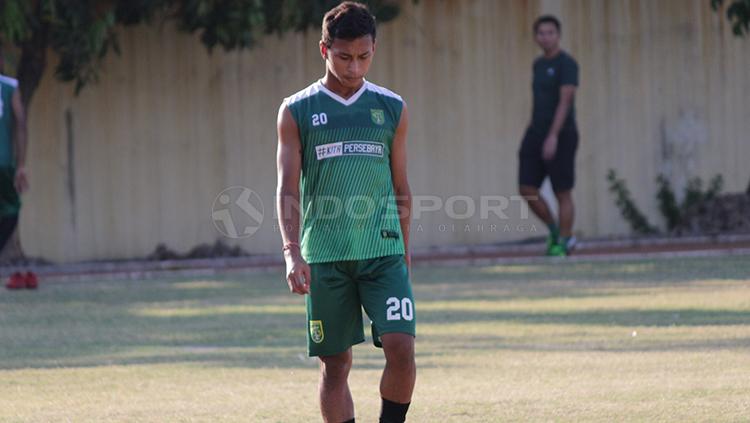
{"points": [[620, 317], [450, 346], [234, 341], [204, 356], [663, 271], [220, 321]]}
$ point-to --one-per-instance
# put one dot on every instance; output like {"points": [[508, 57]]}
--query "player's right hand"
{"points": [[297, 273], [549, 148]]}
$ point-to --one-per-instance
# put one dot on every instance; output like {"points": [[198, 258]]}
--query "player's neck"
{"points": [[552, 53], [329, 81]]}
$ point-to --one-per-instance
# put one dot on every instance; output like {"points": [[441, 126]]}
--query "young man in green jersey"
{"points": [[342, 161], [551, 140]]}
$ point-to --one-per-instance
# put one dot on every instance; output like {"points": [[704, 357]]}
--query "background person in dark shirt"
{"points": [[549, 145]]}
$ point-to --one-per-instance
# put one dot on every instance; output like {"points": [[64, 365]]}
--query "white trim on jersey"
{"points": [[345, 101], [383, 91], [10, 81], [313, 89], [318, 86]]}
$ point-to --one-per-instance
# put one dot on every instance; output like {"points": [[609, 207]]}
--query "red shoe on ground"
{"points": [[32, 282], [16, 281]]}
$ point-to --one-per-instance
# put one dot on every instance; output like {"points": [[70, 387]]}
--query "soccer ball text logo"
{"points": [[237, 212]]}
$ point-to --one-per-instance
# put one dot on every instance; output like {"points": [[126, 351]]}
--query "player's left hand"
{"points": [[21, 180], [549, 149]]}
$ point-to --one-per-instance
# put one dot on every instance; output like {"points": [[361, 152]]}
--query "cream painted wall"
{"points": [[139, 158]]}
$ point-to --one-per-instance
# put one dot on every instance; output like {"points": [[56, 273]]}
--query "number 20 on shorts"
{"points": [[399, 309]]}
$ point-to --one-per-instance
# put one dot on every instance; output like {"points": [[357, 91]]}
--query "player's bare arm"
{"points": [[567, 93], [400, 181], [19, 141], [289, 165]]}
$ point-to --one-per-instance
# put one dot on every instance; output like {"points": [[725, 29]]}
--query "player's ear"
{"points": [[323, 50]]}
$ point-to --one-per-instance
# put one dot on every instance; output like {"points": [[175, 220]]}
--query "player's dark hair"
{"points": [[547, 19], [348, 21]]}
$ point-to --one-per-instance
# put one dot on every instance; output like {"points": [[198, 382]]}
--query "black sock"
{"points": [[350, 421], [393, 412]]}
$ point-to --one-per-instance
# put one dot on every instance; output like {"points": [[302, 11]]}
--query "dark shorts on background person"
{"points": [[533, 168], [10, 204], [10, 201]]}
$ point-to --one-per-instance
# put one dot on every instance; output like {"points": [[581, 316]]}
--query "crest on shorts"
{"points": [[316, 331], [378, 116]]}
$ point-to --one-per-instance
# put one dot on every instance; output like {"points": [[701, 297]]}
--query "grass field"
{"points": [[664, 340]]}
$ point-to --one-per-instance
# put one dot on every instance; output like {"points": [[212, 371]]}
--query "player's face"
{"points": [[349, 60], [547, 36]]}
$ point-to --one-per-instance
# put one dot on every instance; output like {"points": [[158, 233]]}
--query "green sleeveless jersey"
{"points": [[346, 190], [7, 87]]}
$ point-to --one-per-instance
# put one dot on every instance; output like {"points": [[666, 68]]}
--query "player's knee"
{"points": [[565, 197], [336, 367], [528, 192], [398, 349]]}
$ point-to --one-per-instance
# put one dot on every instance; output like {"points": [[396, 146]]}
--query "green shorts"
{"points": [[10, 202], [338, 292]]}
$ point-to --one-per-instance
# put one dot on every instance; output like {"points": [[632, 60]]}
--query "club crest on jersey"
{"points": [[350, 148], [378, 116], [316, 331]]}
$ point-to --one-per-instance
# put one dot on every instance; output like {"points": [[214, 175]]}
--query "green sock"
{"points": [[554, 231]]}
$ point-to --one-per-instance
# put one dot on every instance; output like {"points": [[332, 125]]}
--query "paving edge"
{"points": [[591, 250]]}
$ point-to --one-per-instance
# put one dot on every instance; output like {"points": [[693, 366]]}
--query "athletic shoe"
{"points": [[551, 243], [557, 250], [16, 281], [571, 245], [32, 282]]}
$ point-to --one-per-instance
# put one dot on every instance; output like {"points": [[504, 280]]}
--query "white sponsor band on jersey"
{"points": [[329, 150], [363, 147], [350, 148]]}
